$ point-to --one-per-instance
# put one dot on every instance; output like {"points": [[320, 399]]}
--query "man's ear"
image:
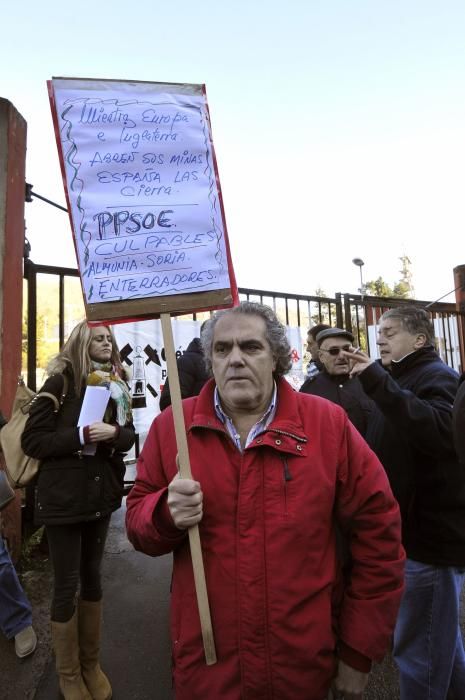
{"points": [[420, 341]]}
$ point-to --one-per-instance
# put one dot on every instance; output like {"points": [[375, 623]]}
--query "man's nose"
{"points": [[236, 357]]}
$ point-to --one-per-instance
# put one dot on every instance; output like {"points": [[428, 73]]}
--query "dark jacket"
{"points": [[459, 420], [72, 487], [192, 374], [416, 400], [346, 392]]}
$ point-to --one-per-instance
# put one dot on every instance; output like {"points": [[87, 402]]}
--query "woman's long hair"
{"points": [[74, 355]]}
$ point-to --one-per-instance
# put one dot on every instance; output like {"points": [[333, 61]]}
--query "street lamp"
{"points": [[359, 262]]}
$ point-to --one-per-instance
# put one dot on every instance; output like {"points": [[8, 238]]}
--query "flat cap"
{"points": [[333, 333]]}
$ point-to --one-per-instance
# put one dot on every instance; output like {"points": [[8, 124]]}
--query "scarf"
{"points": [[104, 374]]}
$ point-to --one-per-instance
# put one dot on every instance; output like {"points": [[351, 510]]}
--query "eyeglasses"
{"points": [[335, 351]]}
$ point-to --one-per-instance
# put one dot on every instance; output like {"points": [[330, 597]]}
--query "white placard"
{"points": [[141, 183]]}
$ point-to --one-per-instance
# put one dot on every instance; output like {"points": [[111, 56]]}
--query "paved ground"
{"points": [[135, 650]]}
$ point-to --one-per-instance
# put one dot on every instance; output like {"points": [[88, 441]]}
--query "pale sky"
{"points": [[339, 126]]}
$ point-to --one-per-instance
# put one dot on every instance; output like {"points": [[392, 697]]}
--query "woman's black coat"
{"points": [[72, 487]]}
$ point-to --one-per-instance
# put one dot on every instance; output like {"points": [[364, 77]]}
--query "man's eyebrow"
{"points": [[251, 341], [242, 342], [220, 342]]}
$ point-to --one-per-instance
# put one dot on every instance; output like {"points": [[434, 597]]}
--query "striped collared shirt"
{"points": [[259, 427]]}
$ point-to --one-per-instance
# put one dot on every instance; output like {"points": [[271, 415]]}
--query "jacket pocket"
{"points": [[61, 490]]}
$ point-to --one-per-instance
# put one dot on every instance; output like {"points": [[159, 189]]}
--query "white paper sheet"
{"points": [[93, 409]]}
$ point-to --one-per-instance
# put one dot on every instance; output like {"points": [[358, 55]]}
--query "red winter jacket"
{"points": [[268, 538]]}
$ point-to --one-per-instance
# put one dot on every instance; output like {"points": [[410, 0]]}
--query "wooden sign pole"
{"points": [[185, 473]]}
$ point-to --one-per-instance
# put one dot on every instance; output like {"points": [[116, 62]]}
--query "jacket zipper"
{"points": [[284, 432]]}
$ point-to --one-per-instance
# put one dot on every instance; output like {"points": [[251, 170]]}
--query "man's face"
{"points": [[242, 363], [331, 357], [395, 341], [312, 346]]}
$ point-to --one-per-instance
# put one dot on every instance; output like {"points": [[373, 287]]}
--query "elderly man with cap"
{"points": [[335, 383]]}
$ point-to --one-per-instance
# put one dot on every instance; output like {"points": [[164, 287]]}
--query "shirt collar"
{"points": [[259, 427]]}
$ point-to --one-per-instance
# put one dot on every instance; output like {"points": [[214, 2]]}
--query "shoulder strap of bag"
{"points": [[57, 403], [64, 390]]}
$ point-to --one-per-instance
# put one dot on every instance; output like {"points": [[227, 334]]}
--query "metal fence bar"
{"points": [[347, 313], [339, 314]]}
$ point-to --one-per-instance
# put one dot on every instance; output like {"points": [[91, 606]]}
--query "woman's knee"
{"points": [[64, 596]]}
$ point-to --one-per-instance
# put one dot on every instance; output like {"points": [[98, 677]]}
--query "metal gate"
{"points": [[358, 314]]}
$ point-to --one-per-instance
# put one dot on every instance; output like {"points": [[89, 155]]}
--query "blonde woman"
{"points": [[75, 495]]}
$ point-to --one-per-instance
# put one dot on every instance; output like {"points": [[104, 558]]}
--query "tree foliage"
{"points": [[47, 319], [403, 289], [379, 288]]}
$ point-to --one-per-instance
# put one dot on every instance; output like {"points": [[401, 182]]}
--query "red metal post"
{"points": [[13, 130]]}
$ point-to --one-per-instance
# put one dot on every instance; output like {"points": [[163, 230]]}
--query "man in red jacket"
{"points": [[276, 473]]}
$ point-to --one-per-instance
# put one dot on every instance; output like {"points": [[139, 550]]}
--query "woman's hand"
{"points": [[101, 432]]}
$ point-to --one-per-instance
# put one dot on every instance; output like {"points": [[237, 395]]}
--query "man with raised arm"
{"points": [[414, 389], [275, 473]]}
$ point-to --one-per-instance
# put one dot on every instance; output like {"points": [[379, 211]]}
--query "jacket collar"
{"points": [[336, 378], [414, 359], [285, 432]]}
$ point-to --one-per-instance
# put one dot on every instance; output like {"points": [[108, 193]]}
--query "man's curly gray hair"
{"points": [[275, 334]]}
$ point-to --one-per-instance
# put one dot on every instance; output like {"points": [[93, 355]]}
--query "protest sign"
{"points": [[144, 197]]}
